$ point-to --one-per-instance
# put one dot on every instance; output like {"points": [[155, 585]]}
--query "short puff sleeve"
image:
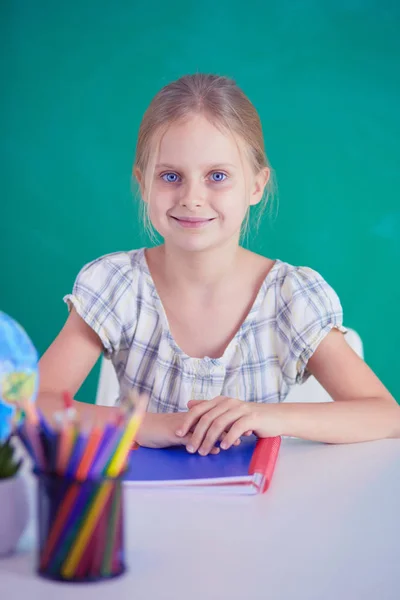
{"points": [[307, 310], [101, 295]]}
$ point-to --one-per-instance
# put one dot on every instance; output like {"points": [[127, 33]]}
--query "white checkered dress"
{"points": [[293, 311]]}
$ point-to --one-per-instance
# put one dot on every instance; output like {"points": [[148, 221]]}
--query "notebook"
{"points": [[247, 468]]}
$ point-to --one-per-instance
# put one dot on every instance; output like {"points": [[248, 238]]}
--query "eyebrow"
{"points": [[206, 167]]}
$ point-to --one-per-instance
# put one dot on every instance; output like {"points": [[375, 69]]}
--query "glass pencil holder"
{"points": [[80, 528]]}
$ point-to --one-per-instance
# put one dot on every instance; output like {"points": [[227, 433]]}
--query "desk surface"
{"points": [[328, 529]]}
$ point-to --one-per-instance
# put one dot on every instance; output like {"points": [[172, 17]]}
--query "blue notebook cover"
{"points": [[177, 467]]}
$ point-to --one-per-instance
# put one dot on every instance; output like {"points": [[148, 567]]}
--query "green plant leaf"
{"points": [[8, 465]]}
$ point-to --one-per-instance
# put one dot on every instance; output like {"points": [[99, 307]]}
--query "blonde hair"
{"points": [[223, 103]]}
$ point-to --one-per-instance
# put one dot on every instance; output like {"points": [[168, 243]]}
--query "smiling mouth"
{"points": [[192, 222]]}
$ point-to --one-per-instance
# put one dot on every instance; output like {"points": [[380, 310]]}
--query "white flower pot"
{"points": [[14, 512]]}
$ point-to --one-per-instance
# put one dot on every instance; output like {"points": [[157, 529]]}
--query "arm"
{"points": [[363, 409], [67, 363]]}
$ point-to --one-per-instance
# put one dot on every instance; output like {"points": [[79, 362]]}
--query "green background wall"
{"points": [[76, 78]]}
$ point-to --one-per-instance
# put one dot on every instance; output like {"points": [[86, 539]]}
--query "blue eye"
{"points": [[170, 177], [218, 176]]}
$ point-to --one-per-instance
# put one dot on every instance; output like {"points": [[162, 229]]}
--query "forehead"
{"points": [[197, 140]]}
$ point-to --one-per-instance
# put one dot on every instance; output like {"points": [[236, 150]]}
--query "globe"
{"points": [[18, 370]]}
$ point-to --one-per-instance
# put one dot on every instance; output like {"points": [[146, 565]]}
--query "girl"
{"points": [[214, 334]]}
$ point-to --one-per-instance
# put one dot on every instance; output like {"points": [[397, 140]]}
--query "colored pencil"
{"points": [[68, 503], [112, 470], [75, 555], [112, 532], [82, 537], [121, 453]]}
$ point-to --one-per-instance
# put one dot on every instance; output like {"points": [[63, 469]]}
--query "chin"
{"points": [[189, 245], [195, 243], [198, 240]]}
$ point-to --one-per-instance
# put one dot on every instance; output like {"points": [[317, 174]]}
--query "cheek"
{"points": [[232, 201], [160, 199]]}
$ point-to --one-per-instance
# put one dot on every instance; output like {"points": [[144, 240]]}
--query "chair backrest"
{"points": [[310, 391], [108, 386]]}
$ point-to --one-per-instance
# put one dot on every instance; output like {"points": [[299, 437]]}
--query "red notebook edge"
{"points": [[263, 461]]}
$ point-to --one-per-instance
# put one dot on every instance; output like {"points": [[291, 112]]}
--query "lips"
{"points": [[194, 219], [193, 222]]}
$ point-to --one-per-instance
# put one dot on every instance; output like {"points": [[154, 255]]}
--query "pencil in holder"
{"points": [[81, 528]]}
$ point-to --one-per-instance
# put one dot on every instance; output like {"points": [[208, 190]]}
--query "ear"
{"points": [[259, 184], [140, 179]]}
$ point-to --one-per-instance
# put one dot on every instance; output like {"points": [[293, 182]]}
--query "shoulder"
{"points": [[297, 296], [111, 281], [286, 279], [306, 309], [115, 266], [304, 299], [300, 282], [105, 295], [116, 275]]}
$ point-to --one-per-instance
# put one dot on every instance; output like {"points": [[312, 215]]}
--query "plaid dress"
{"points": [[294, 310]]}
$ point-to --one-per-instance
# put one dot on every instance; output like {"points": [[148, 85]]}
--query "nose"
{"points": [[192, 196]]}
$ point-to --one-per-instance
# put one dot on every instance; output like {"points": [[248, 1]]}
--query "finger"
{"points": [[221, 423], [193, 415], [236, 443], [186, 441], [180, 441], [247, 433], [237, 430], [203, 425], [193, 403]]}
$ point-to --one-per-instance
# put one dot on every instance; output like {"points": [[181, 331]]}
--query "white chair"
{"points": [[310, 391], [108, 386]]}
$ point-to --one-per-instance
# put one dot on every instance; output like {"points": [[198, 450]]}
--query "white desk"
{"points": [[328, 529]]}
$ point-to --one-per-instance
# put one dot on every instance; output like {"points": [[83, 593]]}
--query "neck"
{"points": [[202, 270]]}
